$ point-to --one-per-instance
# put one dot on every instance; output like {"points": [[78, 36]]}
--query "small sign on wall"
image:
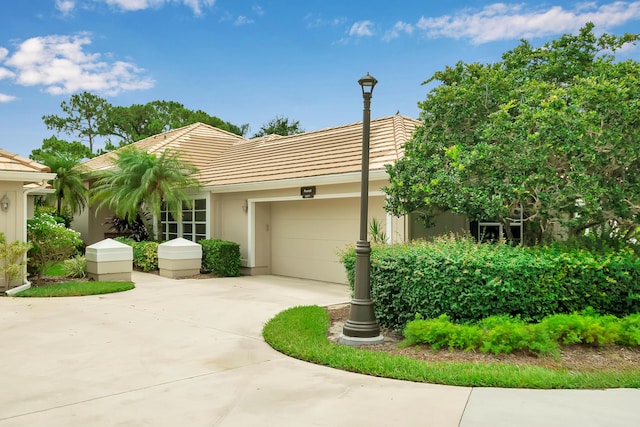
{"points": [[308, 192]]}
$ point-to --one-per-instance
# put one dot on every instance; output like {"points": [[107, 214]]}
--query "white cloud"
{"points": [[500, 21], [314, 21], [61, 65], [398, 28], [133, 5], [6, 98], [242, 20], [258, 10], [65, 6], [361, 29], [5, 73]]}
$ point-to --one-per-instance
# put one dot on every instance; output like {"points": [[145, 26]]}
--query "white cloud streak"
{"points": [[242, 20], [133, 5], [501, 21], [65, 6], [61, 65], [361, 29], [398, 29], [6, 98]]}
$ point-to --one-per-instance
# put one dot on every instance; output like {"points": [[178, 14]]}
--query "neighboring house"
{"points": [[20, 180], [291, 202]]}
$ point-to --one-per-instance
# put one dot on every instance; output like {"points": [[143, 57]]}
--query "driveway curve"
{"points": [[190, 353]]}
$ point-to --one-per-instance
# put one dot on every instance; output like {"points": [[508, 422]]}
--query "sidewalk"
{"points": [[190, 352]]}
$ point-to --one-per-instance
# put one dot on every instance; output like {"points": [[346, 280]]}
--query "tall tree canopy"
{"points": [[141, 182], [90, 118], [280, 126], [75, 150], [85, 116], [552, 131]]}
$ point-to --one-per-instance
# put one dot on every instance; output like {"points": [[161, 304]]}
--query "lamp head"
{"points": [[367, 83]]}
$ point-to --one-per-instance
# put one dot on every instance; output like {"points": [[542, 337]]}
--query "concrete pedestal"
{"points": [[179, 258], [109, 260]]}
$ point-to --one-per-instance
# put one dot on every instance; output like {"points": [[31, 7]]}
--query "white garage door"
{"points": [[307, 235]]}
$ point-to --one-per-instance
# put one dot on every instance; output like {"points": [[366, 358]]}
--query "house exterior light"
{"points": [[4, 203]]}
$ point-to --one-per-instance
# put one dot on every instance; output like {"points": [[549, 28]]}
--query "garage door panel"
{"points": [[307, 236]]}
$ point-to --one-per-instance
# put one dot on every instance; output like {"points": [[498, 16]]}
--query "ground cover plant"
{"points": [[506, 334]]}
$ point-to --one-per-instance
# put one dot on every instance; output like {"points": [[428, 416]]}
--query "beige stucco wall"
{"points": [[283, 225], [12, 222]]}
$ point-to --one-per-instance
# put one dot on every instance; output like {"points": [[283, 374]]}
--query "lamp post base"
{"points": [[358, 341]]}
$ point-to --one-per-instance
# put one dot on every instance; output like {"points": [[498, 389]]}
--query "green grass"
{"points": [[301, 332], [75, 289], [56, 269]]}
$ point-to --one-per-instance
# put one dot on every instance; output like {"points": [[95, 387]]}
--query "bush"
{"points": [[75, 267], [51, 242], [145, 256], [220, 257], [468, 281], [12, 260], [65, 217], [503, 334]]}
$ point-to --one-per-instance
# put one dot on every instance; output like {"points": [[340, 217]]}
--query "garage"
{"points": [[307, 235]]}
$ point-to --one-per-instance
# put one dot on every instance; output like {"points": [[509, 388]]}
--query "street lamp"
{"points": [[361, 327]]}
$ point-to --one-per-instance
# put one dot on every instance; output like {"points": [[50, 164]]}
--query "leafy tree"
{"points": [[140, 121], [141, 181], [74, 150], [280, 126], [85, 118], [68, 185], [88, 117], [553, 132]]}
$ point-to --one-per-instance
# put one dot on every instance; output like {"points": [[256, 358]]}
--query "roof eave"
{"points": [[343, 178], [26, 176]]}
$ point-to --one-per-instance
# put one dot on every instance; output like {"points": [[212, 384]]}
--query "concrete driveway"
{"points": [[190, 353]]}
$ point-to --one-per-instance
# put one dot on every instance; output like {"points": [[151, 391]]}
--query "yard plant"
{"points": [[469, 281]]}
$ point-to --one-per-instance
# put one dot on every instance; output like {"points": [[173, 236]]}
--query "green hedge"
{"points": [[145, 254], [220, 257], [469, 281]]}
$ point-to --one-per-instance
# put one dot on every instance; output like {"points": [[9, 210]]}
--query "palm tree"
{"points": [[140, 181], [68, 185]]}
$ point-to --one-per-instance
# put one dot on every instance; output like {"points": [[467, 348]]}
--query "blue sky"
{"points": [[250, 61]]}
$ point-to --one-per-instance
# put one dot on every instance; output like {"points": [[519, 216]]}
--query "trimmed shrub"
{"points": [[468, 281], [145, 256], [220, 257]]}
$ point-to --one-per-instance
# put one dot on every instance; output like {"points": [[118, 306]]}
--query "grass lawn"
{"points": [[73, 289], [301, 332], [56, 269]]}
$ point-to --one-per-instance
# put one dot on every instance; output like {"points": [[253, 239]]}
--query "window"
{"points": [[192, 226]]}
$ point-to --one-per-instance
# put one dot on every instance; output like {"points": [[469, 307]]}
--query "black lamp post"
{"points": [[362, 327]]}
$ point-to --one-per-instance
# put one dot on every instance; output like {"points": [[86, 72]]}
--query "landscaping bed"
{"points": [[573, 357]]}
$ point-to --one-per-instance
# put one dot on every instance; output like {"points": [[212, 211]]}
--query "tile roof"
{"points": [[10, 162], [224, 158], [199, 144], [329, 151]]}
